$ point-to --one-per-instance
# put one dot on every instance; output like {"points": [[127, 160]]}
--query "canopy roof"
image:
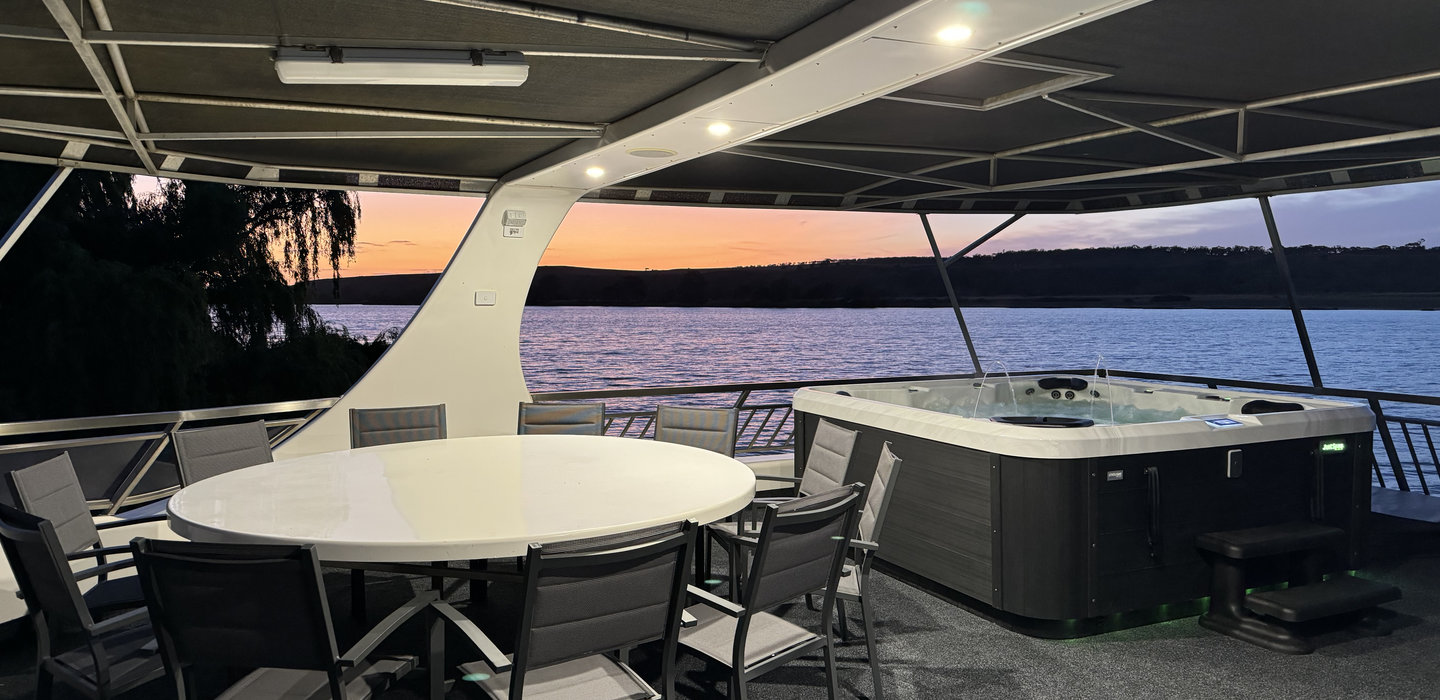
{"points": [[1156, 103]]}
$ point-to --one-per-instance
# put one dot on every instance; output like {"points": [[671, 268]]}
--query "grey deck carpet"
{"points": [[930, 648]]}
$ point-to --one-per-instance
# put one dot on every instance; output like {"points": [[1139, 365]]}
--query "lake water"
{"points": [[572, 348], [566, 348]]}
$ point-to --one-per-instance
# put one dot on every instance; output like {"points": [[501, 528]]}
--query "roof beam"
{"points": [[87, 54], [604, 22], [1142, 127], [568, 127], [334, 135], [753, 153], [270, 42], [1213, 111], [1173, 167], [131, 170], [12, 235], [1309, 115]]}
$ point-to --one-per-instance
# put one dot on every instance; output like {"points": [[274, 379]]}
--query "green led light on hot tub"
{"points": [[1332, 446]]}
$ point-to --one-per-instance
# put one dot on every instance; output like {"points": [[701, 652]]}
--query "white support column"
{"points": [[459, 350], [36, 204]]}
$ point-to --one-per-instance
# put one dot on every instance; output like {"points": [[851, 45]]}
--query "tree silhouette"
{"points": [[117, 302]]}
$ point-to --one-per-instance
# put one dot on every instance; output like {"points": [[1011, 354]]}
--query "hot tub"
{"points": [[1062, 498]]}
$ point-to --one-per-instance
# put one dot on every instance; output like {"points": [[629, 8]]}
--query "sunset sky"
{"points": [[418, 233]]}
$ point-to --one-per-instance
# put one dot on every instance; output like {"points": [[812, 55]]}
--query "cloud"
{"points": [[372, 245]]}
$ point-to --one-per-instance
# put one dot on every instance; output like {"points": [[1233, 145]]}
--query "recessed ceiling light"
{"points": [[651, 152], [594, 171], [955, 33], [718, 128]]}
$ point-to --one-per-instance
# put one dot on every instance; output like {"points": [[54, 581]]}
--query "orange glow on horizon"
{"points": [[401, 234]]}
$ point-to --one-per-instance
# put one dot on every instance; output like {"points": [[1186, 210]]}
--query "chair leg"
{"points": [[868, 616], [738, 691], [734, 553], [844, 622], [357, 594], [44, 683], [702, 570], [437, 583], [479, 589], [832, 679]]}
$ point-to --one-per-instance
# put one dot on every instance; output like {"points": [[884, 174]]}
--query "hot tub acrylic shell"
{"points": [[1057, 525]]}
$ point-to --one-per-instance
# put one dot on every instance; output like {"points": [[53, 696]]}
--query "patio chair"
{"points": [[587, 418], [51, 491], [206, 452], [706, 428], [825, 467], [800, 549], [855, 578], [385, 426], [586, 598], [109, 657], [263, 607]]}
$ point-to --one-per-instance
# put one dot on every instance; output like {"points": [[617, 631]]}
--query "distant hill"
{"points": [[1238, 277]]}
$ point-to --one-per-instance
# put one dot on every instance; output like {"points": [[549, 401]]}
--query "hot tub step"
{"points": [[1270, 540], [1339, 595]]}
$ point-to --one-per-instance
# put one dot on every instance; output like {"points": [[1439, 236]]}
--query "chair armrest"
{"points": [[491, 653], [94, 571], [715, 601], [367, 644], [102, 552], [864, 546], [126, 619], [123, 522], [772, 477]]}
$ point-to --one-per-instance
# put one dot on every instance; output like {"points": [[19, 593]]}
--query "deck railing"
{"points": [[125, 460]]}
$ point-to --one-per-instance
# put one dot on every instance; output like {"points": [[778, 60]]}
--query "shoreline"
{"points": [[1313, 302]]}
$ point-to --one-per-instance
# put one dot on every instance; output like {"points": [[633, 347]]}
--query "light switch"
{"points": [[485, 297]]}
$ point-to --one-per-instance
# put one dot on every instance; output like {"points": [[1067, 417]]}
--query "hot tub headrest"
{"points": [[1045, 421], [1267, 406], [1074, 383]]}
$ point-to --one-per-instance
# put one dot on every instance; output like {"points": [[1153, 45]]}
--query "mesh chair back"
{"points": [[877, 495], [802, 546], [236, 605], [207, 452], [600, 594], [829, 458], [706, 428], [51, 491], [385, 426], [33, 549], [586, 418]]}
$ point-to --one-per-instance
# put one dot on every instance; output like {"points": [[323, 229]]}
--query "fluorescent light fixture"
{"points": [[357, 66], [718, 128], [595, 171]]}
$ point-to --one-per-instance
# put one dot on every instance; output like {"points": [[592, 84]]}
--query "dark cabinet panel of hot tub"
{"points": [[1045, 534], [939, 521], [1150, 508]]}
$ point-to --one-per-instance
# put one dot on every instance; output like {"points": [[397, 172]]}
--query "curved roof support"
{"points": [[462, 348]]}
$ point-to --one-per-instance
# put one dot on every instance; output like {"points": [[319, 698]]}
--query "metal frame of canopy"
{"points": [[1073, 106]]}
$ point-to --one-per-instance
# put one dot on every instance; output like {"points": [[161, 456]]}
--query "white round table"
{"points": [[462, 498]]}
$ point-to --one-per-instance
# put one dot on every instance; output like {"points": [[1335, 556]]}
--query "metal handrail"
{"points": [[126, 420], [767, 427]]}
